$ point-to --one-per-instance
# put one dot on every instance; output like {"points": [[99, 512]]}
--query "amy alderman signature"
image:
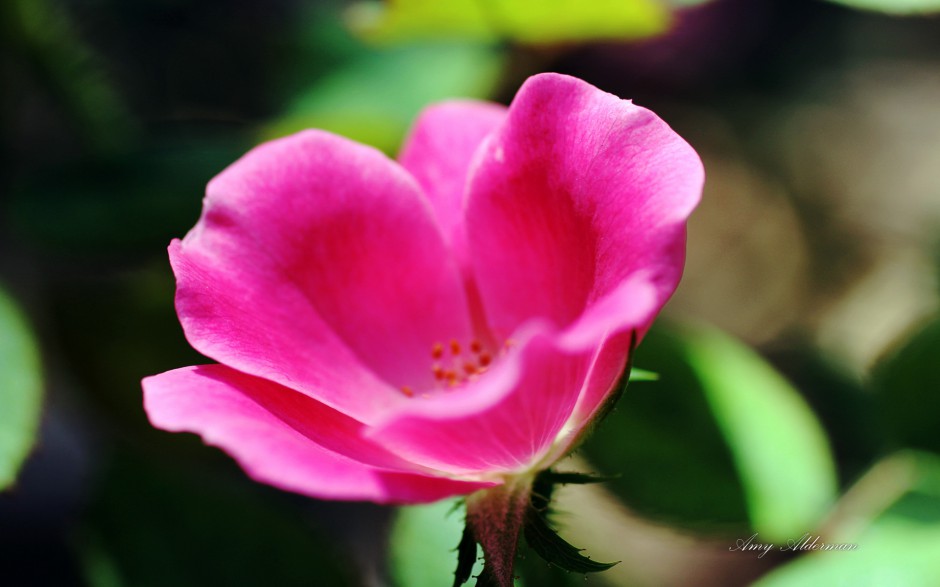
{"points": [[803, 543]]}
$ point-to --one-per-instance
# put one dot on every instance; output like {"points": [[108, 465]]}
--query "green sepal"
{"points": [[556, 550], [539, 534], [642, 375], [496, 516], [572, 477], [466, 557]]}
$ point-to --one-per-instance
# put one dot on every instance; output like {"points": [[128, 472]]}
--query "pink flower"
{"points": [[406, 331]]}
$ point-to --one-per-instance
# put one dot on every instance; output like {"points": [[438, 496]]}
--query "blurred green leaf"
{"points": [[720, 442], [20, 390], [664, 446], [408, 19], [843, 404], [423, 544], [894, 6], [152, 526], [906, 387], [780, 450], [374, 99], [900, 546], [526, 21]]}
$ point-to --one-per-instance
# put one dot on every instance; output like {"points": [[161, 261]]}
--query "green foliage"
{"points": [[899, 542], [906, 385], [525, 21], [422, 545], [375, 97], [663, 442], [780, 450], [894, 6], [20, 390], [721, 441]]}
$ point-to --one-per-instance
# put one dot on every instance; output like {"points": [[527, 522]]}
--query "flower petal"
{"points": [[317, 263], [574, 193], [245, 415], [500, 423], [611, 326], [515, 412], [439, 150]]}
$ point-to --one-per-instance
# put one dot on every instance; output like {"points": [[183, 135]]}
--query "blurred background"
{"points": [[799, 362]]}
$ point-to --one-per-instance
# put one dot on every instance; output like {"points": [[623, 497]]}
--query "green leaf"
{"points": [[408, 19], [898, 545], [422, 545], [526, 21], [903, 7], [906, 387], [375, 98], [20, 390], [663, 440], [721, 428], [779, 448]]}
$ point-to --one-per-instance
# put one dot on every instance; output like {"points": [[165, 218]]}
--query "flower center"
{"points": [[454, 364]]}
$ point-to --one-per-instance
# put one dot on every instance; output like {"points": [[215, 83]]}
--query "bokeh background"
{"points": [[799, 363]]}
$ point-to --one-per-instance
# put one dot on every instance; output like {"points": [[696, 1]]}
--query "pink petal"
{"points": [[576, 191], [245, 416], [439, 152], [318, 264], [550, 383], [499, 423], [609, 326]]}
